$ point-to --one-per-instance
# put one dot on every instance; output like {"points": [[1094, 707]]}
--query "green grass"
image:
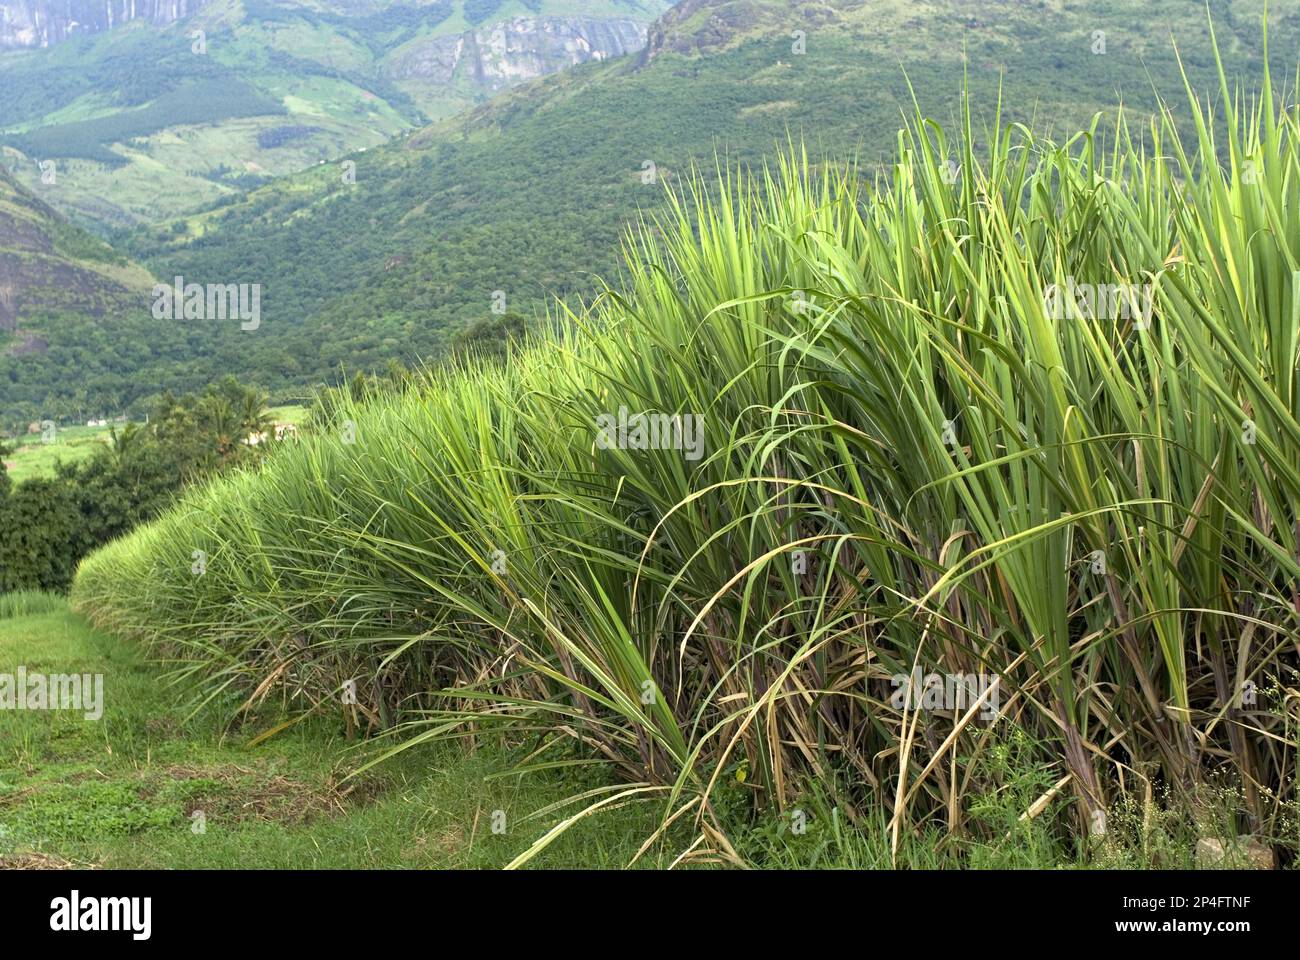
{"points": [[295, 413], [1100, 512], [121, 792], [31, 457], [22, 603]]}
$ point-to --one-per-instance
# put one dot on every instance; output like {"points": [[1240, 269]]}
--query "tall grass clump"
{"points": [[25, 603], [1028, 411]]}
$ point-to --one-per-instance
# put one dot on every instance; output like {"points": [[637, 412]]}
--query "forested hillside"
{"points": [[388, 252], [155, 111]]}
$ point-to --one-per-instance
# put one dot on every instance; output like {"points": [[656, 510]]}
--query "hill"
{"points": [[48, 265], [58, 285], [78, 335], [389, 252], [154, 110]]}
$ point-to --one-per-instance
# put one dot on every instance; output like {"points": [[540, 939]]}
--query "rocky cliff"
{"points": [[517, 49], [43, 23], [708, 26]]}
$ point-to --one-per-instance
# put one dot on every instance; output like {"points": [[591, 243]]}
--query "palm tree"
{"points": [[254, 417], [224, 425], [125, 441]]}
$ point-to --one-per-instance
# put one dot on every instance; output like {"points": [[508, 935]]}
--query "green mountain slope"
{"points": [[149, 119], [52, 273], [76, 330], [525, 199]]}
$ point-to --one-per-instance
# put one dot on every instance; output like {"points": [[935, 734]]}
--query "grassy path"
{"points": [[145, 787]]}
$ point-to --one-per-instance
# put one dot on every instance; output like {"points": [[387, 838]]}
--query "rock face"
{"points": [[706, 26], [43, 23], [518, 49], [696, 26]]}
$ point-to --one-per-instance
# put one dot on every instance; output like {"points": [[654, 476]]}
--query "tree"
{"points": [[491, 337], [5, 481], [255, 419], [48, 525], [123, 442]]}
